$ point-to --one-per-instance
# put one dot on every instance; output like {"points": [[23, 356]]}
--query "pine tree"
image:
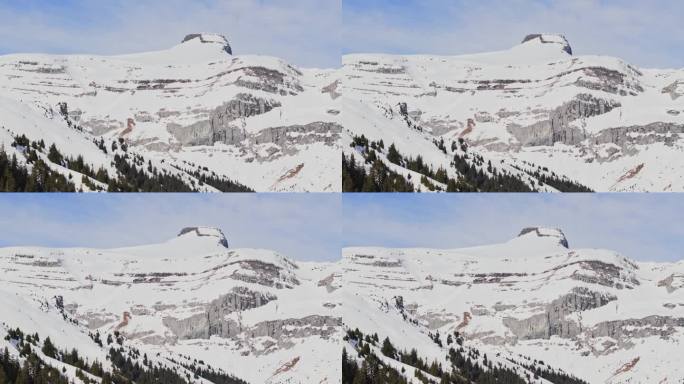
{"points": [[54, 155], [49, 349], [387, 348], [393, 155]]}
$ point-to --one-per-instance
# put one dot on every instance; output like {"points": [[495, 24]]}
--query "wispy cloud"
{"points": [[304, 32], [302, 226], [640, 226], [646, 33]]}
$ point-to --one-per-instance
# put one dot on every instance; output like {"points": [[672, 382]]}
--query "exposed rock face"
{"points": [[550, 39], [212, 321], [206, 232], [221, 126], [672, 282], [259, 272], [553, 321], [676, 89], [293, 328], [662, 326], [210, 38], [206, 133], [546, 232], [667, 133], [557, 128]]}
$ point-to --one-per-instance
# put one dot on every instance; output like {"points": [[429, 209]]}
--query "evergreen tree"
{"points": [[48, 348], [393, 155], [54, 155], [387, 348]]}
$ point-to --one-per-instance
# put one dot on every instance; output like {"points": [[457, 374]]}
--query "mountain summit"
{"points": [[205, 232], [545, 232], [209, 38], [548, 119], [244, 122], [549, 39]]}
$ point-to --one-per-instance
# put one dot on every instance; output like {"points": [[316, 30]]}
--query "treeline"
{"points": [[16, 177], [221, 183], [200, 369], [31, 371], [125, 362], [474, 177], [379, 178], [466, 367], [561, 183], [490, 181], [133, 173], [133, 178]]}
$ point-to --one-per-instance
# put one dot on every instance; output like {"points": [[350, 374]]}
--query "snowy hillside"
{"points": [[250, 313], [590, 313], [193, 110], [534, 112]]}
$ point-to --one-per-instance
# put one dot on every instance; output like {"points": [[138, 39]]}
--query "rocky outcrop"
{"points": [[553, 321], [213, 320], [220, 126], [661, 326], [550, 39], [270, 80], [676, 89], [262, 273], [206, 232], [659, 132], [323, 326], [602, 273], [209, 39], [557, 127], [546, 232]]}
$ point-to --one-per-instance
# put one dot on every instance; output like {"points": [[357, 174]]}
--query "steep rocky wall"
{"points": [[212, 321], [553, 321], [557, 127]]}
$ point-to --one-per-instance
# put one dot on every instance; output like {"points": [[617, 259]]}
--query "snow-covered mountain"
{"points": [[533, 301], [194, 109], [535, 112], [251, 313]]}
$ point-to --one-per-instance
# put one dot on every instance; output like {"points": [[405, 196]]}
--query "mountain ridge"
{"points": [[191, 296], [193, 111], [592, 313], [551, 120]]}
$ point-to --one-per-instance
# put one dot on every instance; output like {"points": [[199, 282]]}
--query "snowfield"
{"points": [[254, 119], [593, 313], [253, 313], [596, 120]]}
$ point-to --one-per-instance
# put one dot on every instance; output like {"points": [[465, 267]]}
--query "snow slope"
{"points": [[597, 120], [254, 119], [253, 313], [590, 312]]}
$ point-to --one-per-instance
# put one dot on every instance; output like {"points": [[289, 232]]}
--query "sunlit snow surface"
{"points": [[477, 290], [500, 92], [178, 279], [154, 93]]}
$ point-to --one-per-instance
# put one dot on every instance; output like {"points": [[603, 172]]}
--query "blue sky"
{"points": [[641, 226], [645, 33], [304, 32], [301, 226]]}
